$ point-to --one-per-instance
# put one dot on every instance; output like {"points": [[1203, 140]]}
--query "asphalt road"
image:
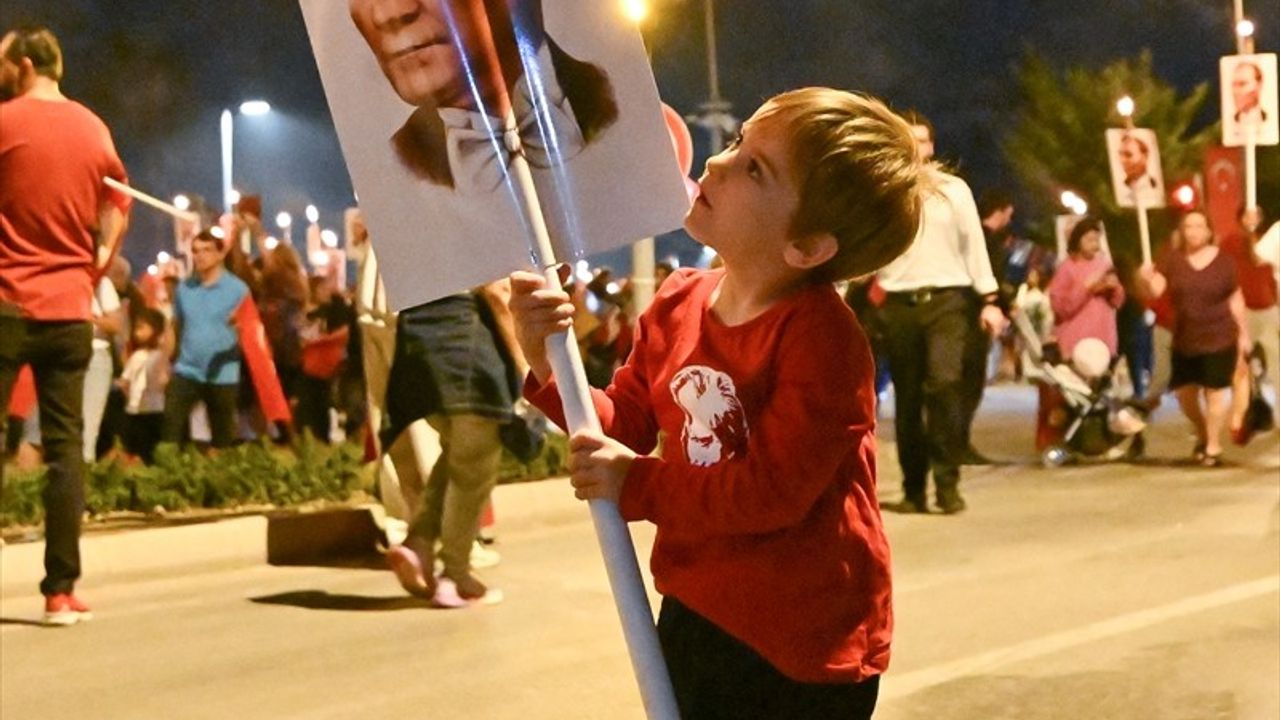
{"points": [[1104, 590]]}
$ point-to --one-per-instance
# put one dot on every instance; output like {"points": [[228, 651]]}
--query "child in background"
{"points": [[770, 553], [143, 381]]}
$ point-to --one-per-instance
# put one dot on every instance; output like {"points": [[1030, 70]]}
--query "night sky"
{"points": [[160, 72]]}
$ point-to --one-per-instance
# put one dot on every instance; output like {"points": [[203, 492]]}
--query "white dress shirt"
{"points": [[949, 249]]}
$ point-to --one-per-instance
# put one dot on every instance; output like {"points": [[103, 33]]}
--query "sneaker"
{"points": [[64, 609], [406, 566], [483, 556]]}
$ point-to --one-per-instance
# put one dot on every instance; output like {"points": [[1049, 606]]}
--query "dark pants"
{"points": [[974, 379], [314, 401], [58, 353], [219, 400], [715, 675], [927, 344]]}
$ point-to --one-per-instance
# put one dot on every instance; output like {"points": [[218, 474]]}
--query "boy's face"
{"points": [[749, 195]]}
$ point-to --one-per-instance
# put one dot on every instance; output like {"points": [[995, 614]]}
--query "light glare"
{"points": [[255, 107]]}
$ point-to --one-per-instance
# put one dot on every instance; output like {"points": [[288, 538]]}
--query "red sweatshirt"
{"points": [[765, 497]]}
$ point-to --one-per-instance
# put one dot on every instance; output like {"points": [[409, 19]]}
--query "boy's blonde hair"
{"points": [[860, 177]]}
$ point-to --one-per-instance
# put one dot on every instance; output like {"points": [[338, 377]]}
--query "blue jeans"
{"points": [[58, 353]]}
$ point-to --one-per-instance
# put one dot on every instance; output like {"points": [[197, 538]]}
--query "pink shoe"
{"points": [[64, 609], [406, 566]]}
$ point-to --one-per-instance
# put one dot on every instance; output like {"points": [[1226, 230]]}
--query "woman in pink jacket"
{"points": [[1085, 291]]}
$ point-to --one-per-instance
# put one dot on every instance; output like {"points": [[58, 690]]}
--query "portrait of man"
{"points": [[463, 64], [432, 101], [1249, 99], [1135, 167]]}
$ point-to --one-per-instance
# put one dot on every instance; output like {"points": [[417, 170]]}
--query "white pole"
{"points": [[227, 128], [1144, 229], [1238, 13], [154, 202], [1250, 165], [616, 546], [643, 266]]}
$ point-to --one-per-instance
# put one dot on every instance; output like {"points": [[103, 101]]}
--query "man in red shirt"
{"points": [[56, 215]]}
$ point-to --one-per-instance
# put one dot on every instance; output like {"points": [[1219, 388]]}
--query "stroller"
{"points": [[1100, 421]]}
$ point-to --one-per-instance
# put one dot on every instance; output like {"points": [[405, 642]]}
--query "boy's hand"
{"points": [[538, 311], [598, 465]]}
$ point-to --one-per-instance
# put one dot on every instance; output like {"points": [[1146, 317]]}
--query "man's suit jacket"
{"points": [[420, 142]]}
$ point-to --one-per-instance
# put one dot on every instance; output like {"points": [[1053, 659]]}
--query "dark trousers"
{"points": [[314, 401], [219, 400], [974, 380], [927, 344], [715, 675], [58, 353]]}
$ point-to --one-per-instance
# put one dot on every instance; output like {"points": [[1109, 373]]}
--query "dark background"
{"points": [[160, 73]]}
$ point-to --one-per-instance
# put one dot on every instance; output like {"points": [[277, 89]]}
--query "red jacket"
{"points": [[765, 496]]}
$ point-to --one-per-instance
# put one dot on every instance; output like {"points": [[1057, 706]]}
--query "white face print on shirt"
{"points": [[715, 427]]}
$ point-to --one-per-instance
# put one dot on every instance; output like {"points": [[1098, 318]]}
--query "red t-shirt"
{"points": [[765, 497], [53, 156], [1257, 282]]}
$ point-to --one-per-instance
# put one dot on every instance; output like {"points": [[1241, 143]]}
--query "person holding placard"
{"points": [[770, 552], [1209, 334]]}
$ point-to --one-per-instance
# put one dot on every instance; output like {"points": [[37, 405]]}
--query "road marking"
{"points": [[895, 686]]}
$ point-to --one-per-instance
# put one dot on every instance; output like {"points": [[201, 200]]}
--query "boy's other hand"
{"points": [[538, 311], [598, 465]]}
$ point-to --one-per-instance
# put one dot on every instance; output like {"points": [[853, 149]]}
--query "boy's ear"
{"points": [[810, 251]]}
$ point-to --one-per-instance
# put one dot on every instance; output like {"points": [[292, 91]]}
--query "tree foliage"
{"points": [[1058, 141]]}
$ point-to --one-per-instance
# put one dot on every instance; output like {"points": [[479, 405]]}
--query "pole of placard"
{"points": [[616, 546], [154, 202], [1144, 229], [643, 266], [1250, 167]]}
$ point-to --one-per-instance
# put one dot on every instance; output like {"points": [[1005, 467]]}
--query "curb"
{"points": [[283, 538], [237, 541]]}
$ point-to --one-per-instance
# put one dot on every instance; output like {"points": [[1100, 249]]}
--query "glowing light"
{"points": [[612, 288], [1125, 106], [1185, 195], [284, 220], [1073, 202], [255, 107], [582, 271], [635, 10], [218, 232], [153, 270], [271, 243], [1245, 28], [182, 202], [320, 258], [329, 238], [313, 215], [234, 197], [163, 257]]}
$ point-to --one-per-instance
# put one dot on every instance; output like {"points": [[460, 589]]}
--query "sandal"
{"points": [[1198, 452], [1211, 461]]}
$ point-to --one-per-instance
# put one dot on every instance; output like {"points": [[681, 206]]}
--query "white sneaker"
{"points": [[483, 556]]}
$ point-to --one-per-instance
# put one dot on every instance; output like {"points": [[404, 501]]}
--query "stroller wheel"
{"points": [[1056, 456]]}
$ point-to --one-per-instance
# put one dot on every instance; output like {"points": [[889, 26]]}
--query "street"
{"points": [[1101, 590]]}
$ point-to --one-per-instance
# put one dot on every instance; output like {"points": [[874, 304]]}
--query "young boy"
{"points": [[770, 552]]}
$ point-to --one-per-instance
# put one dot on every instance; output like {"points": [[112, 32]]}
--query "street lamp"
{"points": [[635, 10], [250, 108], [284, 221]]}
